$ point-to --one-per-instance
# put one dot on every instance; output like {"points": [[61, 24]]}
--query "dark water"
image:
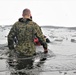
{"points": [[51, 64], [22, 66]]}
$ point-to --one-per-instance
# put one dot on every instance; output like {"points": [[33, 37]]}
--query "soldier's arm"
{"points": [[11, 37], [40, 36]]}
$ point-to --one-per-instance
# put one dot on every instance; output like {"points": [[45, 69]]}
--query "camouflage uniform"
{"points": [[25, 31]]}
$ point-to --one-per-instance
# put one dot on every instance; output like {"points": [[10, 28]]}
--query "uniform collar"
{"points": [[24, 19]]}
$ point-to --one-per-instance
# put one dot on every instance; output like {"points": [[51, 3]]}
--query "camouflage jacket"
{"points": [[25, 30]]}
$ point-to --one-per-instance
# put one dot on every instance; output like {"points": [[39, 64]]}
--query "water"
{"points": [[61, 59]]}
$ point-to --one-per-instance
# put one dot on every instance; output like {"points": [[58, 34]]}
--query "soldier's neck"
{"points": [[26, 17]]}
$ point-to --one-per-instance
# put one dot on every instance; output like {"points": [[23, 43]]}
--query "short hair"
{"points": [[26, 12]]}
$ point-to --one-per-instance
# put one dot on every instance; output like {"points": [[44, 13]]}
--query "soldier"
{"points": [[25, 30]]}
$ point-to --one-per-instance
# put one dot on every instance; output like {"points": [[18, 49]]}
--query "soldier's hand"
{"points": [[11, 47]]}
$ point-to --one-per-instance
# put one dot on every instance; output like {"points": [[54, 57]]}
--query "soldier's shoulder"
{"points": [[35, 24], [16, 23]]}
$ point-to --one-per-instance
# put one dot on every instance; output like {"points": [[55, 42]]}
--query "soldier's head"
{"points": [[26, 13]]}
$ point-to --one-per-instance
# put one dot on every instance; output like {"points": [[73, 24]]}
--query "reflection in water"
{"points": [[21, 66], [27, 63], [17, 65]]}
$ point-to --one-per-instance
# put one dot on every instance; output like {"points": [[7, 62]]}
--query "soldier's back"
{"points": [[25, 37]]}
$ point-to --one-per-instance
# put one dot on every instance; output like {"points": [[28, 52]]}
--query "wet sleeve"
{"points": [[40, 36], [11, 37]]}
